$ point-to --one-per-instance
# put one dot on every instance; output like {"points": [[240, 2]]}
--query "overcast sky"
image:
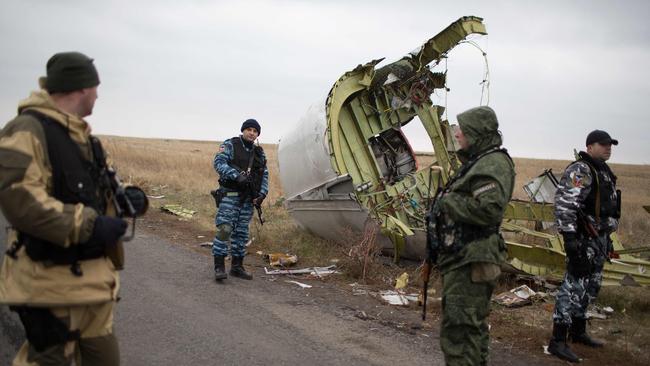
{"points": [[197, 69]]}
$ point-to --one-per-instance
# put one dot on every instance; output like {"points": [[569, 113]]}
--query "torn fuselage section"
{"points": [[367, 152]]}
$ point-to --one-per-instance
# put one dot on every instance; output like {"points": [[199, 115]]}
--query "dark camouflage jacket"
{"points": [[575, 191]]}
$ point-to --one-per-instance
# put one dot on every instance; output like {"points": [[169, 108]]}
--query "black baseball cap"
{"points": [[600, 136]]}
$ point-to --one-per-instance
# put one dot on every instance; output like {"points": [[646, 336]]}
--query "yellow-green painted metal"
{"points": [[546, 257], [355, 113]]}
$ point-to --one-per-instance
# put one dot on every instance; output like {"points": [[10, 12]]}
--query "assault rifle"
{"points": [[431, 246]]}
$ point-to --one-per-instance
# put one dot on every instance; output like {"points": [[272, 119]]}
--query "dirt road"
{"points": [[173, 313]]}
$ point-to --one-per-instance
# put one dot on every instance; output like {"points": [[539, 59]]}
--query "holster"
{"points": [[42, 328], [217, 194]]}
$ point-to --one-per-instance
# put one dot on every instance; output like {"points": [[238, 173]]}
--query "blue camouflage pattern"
{"points": [[579, 287], [572, 191], [232, 222], [234, 215], [577, 291]]}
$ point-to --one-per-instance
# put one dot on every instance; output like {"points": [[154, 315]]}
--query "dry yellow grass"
{"points": [[184, 171]]}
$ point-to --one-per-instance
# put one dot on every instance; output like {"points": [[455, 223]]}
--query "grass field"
{"points": [[182, 171]]}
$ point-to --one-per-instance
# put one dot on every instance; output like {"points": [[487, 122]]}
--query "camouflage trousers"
{"points": [[232, 222], [97, 346], [576, 293], [464, 333]]}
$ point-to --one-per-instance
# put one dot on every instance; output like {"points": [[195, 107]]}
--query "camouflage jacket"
{"points": [[476, 201], [575, 192], [26, 199]]}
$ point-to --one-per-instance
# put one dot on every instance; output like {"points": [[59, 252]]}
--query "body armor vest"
{"points": [[75, 180], [241, 161], [604, 199], [452, 236]]}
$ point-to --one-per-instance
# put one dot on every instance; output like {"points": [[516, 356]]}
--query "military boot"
{"points": [[578, 334], [558, 347], [219, 268], [237, 269]]}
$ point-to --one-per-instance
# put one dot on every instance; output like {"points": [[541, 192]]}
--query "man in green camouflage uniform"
{"points": [[586, 200], [464, 236]]}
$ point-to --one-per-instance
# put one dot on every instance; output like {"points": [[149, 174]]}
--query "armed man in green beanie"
{"points": [[464, 238], [56, 190]]}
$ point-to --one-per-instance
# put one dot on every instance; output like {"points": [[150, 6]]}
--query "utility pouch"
{"points": [[485, 272], [217, 194], [116, 254], [42, 328]]}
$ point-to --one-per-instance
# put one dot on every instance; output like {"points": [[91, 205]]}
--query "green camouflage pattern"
{"points": [[480, 197], [475, 199], [464, 333]]}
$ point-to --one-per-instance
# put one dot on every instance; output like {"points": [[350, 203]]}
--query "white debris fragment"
{"points": [[302, 285]]}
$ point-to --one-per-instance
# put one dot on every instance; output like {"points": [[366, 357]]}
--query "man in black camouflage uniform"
{"points": [[587, 208]]}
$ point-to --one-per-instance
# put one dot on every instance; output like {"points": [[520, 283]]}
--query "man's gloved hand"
{"points": [[579, 265], [257, 201], [243, 180], [138, 199], [108, 230]]}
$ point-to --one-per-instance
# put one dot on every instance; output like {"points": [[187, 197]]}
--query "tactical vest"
{"points": [[241, 161], [452, 237], [604, 200], [75, 180]]}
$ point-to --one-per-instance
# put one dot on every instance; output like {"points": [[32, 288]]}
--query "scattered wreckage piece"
{"points": [[398, 297], [302, 285], [315, 271], [178, 210], [519, 296]]}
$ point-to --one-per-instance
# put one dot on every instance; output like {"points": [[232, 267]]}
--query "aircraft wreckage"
{"points": [[348, 160]]}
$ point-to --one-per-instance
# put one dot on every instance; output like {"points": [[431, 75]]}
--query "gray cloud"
{"points": [[196, 69]]}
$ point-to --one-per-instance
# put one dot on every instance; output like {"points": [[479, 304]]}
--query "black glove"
{"points": [[138, 199], [579, 264], [107, 230], [259, 199], [242, 181]]}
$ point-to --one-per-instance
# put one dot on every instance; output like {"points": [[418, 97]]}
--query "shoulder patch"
{"points": [[576, 179], [483, 189]]}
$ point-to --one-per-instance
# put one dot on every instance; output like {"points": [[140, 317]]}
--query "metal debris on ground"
{"points": [[518, 296], [206, 244], [402, 281], [279, 259], [358, 290], [178, 210], [601, 313], [156, 197], [398, 297], [315, 271], [302, 285]]}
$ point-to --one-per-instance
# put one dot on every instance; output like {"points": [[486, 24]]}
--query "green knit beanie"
{"points": [[70, 71]]}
